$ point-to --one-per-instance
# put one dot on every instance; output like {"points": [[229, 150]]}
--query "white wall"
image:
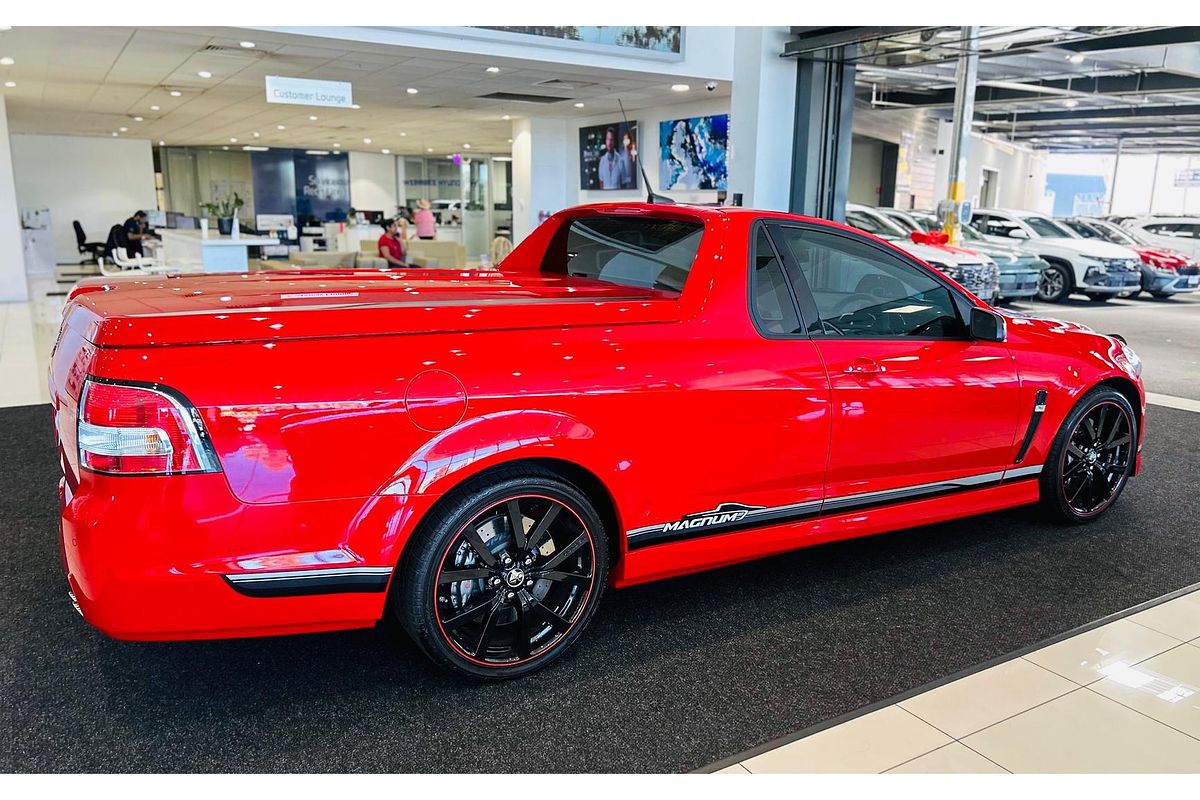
{"points": [[764, 99], [98, 181], [373, 182], [647, 120], [1022, 172], [13, 286], [541, 148]]}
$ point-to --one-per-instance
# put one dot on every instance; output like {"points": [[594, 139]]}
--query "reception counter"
{"points": [[189, 250]]}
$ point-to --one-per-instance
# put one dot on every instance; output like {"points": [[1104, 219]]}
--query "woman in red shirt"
{"points": [[391, 248]]}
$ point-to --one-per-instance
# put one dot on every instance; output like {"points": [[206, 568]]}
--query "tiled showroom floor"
{"points": [[1122, 697]]}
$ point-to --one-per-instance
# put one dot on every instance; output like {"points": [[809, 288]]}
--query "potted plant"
{"points": [[224, 209]]}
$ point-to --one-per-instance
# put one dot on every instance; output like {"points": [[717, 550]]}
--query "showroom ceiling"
{"points": [[1061, 88], [100, 81]]}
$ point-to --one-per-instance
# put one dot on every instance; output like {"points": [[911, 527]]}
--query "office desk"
{"points": [[189, 250]]}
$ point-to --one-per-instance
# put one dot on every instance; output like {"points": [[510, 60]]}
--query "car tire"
{"points": [[533, 607], [1055, 284], [1162, 295], [1091, 459], [1097, 297]]}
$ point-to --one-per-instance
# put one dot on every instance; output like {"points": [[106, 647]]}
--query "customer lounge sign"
{"points": [[305, 92]]}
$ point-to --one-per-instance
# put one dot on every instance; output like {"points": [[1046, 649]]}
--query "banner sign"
{"points": [[1187, 177], [305, 92]]}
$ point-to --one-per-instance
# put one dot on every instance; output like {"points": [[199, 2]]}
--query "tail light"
{"points": [[138, 429]]}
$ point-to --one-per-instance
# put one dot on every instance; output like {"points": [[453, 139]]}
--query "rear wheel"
{"points": [[1091, 458], [504, 575], [1054, 284]]}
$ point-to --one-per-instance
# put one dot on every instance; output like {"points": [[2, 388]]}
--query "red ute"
{"points": [[639, 391]]}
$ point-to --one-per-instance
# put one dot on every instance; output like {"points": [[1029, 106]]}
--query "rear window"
{"points": [[648, 253]]}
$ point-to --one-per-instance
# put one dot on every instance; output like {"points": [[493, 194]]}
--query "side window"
{"points": [[773, 304], [861, 291], [997, 226], [627, 251]]}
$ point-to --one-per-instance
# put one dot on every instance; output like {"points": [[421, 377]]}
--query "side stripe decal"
{"points": [[729, 517]]}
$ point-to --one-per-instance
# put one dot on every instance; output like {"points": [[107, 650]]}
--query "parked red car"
{"points": [[639, 391]]}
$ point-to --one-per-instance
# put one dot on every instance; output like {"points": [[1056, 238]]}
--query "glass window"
{"points": [[860, 291], [883, 228], [1044, 226], [1082, 228], [994, 226], [773, 304], [627, 251]]}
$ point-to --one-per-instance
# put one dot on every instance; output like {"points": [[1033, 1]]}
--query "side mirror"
{"points": [[987, 325], [1018, 233]]}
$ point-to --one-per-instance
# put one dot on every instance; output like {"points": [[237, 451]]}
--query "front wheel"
{"points": [[1091, 458], [1054, 284], [504, 575]]}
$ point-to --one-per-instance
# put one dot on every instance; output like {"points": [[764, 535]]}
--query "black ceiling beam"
{"points": [[1138, 83], [1084, 128], [1123, 112], [813, 39], [1084, 134], [1154, 37]]}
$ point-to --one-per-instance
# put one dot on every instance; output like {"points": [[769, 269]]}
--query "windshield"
{"points": [[1114, 234], [1044, 226], [880, 226]]}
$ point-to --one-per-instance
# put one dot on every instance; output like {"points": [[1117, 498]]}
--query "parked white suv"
{"points": [[1097, 269], [1175, 233]]}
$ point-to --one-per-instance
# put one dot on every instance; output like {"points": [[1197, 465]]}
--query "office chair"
{"points": [[93, 250]]}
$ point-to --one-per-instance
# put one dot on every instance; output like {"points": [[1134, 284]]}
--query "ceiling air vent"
{"points": [[518, 97], [565, 86]]}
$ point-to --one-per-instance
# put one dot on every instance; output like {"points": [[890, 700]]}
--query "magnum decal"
{"points": [[721, 515]]}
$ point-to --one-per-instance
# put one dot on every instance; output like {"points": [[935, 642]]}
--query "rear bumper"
{"points": [[152, 558]]}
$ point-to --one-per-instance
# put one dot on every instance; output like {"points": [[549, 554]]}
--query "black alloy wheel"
{"points": [[508, 579], [1092, 457]]}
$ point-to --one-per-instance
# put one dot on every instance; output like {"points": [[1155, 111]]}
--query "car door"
{"points": [[918, 406]]}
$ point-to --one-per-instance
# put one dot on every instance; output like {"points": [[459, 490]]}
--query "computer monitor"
{"points": [[156, 219], [186, 223], [172, 219]]}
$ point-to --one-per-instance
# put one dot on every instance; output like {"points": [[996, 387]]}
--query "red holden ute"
{"points": [[637, 392]]}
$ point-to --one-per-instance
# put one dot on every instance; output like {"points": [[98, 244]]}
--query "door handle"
{"points": [[864, 366]]}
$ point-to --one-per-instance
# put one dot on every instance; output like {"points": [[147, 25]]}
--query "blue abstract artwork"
{"points": [[693, 153]]}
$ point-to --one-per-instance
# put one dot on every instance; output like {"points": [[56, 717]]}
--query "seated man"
{"points": [[136, 230], [391, 249]]}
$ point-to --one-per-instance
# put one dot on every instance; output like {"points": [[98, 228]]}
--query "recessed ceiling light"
{"points": [[316, 152], [679, 87], [246, 45], [506, 116], [116, 134], [1070, 102], [336, 145], [428, 149], [466, 146], [312, 118], [204, 73], [154, 108], [122, 129], [412, 90], [1076, 58], [233, 139], [162, 143], [176, 93], [139, 119], [579, 105], [257, 134], [356, 106], [386, 152], [402, 133], [7, 61], [366, 140], [10, 84], [225, 147], [281, 127], [492, 70], [255, 148], [510, 141]]}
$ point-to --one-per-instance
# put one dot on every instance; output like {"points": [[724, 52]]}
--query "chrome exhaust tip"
{"points": [[75, 603]]}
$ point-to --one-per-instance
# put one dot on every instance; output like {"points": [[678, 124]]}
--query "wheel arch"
{"points": [[1127, 388], [1059, 261]]}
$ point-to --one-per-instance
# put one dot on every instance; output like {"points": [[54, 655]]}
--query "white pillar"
{"points": [[13, 287], [760, 118], [539, 172]]}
